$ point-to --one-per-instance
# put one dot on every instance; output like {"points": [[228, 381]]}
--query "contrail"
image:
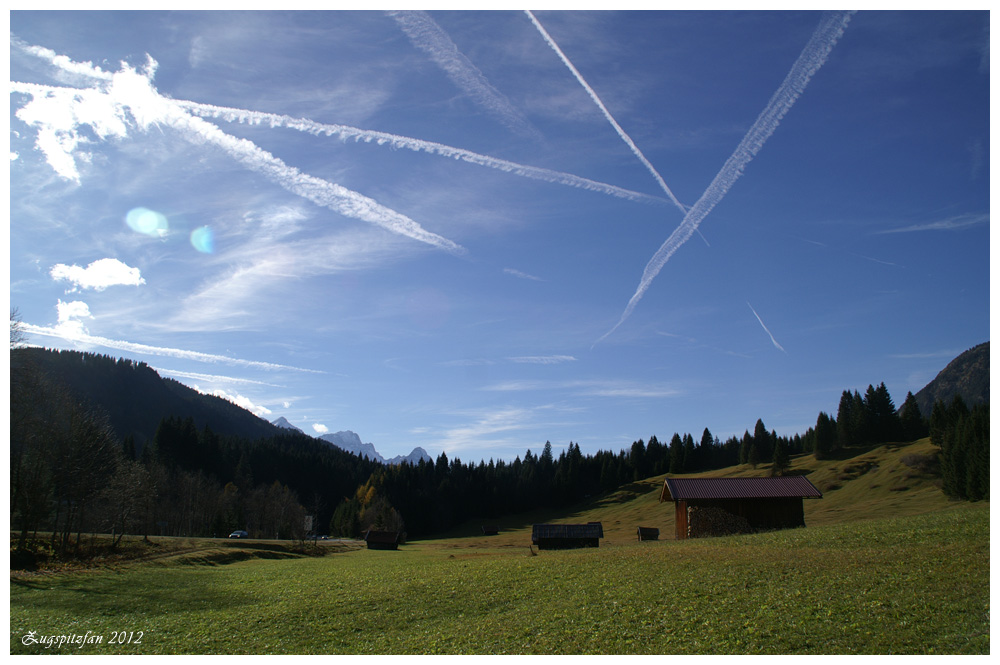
{"points": [[813, 57], [428, 36], [773, 341], [134, 91], [169, 352], [607, 114], [417, 145]]}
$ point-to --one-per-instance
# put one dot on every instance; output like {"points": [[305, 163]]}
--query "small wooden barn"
{"points": [[566, 536], [490, 529], [647, 533], [382, 540], [721, 506]]}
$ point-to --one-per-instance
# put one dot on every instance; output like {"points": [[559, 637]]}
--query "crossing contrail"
{"points": [[607, 114], [417, 145], [773, 341], [813, 57], [428, 36], [103, 109]]}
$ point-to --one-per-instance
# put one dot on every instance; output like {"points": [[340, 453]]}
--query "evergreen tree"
{"points": [[687, 462], [706, 450], [825, 436], [847, 421], [746, 443], [882, 415], [637, 457], [781, 462], [912, 424], [656, 456], [761, 441], [676, 453]]}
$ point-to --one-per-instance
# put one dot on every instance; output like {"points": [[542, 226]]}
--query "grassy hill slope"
{"points": [[892, 480]]}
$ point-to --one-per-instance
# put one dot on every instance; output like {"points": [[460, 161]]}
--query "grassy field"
{"points": [[913, 583]]}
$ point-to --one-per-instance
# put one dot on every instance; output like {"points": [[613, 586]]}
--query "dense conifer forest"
{"points": [[100, 444]]}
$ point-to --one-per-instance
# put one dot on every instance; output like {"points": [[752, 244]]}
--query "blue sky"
{"points": [[476, 232]]}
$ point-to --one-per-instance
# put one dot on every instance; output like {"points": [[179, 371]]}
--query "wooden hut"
{"points": [[566, 536], [647, 533], [721, 506], [490, 529], [382, 540]]}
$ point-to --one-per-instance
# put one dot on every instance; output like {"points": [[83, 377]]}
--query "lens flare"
{"points": [[148, 222], [203, 240]]}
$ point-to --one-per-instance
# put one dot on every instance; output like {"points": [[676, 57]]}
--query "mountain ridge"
{"points": [[967, 375]]}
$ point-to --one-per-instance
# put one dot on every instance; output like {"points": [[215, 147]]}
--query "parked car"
{"points": [[239, 534]]}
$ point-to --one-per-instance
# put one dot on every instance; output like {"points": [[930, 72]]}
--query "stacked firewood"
{"points": [[711, 521]]}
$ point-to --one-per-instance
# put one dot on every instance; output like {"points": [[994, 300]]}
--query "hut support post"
{"points": [[681, 518]]}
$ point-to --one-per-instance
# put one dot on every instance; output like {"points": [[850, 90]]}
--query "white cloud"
{"points": [[590, 388], [320, 428], [71, 329], [955, 223], [131, 100], [68, 313], [395, 141], [522, 275], [237, 399], [199, 376], [542, 360], [99, 275], [428, 36], [813, 57]]}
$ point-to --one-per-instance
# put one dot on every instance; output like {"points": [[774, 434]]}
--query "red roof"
{"points": [[683, 489]]}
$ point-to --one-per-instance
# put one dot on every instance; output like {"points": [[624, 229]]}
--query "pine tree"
{"points": [[825, 436], [912, 424], [846, 421], [882, 415], [676, 453], [761, 442], [687, 463], [781, 461]]}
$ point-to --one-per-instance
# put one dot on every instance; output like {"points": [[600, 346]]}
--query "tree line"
{"points": [[71, 475]]}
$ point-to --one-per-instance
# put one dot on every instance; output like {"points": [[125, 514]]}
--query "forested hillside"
{"points": [[78, 422], [134, 397]]}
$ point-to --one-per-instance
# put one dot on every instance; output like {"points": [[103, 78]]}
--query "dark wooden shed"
{"points": [[490, 529], [721, 506], [382, 540], [648, 533], [566, 536]]}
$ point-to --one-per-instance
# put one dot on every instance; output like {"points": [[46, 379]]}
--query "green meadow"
{"points": [[872, 573]]}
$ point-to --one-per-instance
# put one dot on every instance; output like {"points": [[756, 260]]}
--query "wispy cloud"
{"points": [[71, 329], [429, 37], [542, 360], [813, 57], [417, 145], [62, 62], [469, 362], [254, 269], [489, 429], [773, 341], [239, 400], [590, 388], [956, 223], [215, 378], [522, 275], [129, 99], [607, 114], [98, 275]]}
